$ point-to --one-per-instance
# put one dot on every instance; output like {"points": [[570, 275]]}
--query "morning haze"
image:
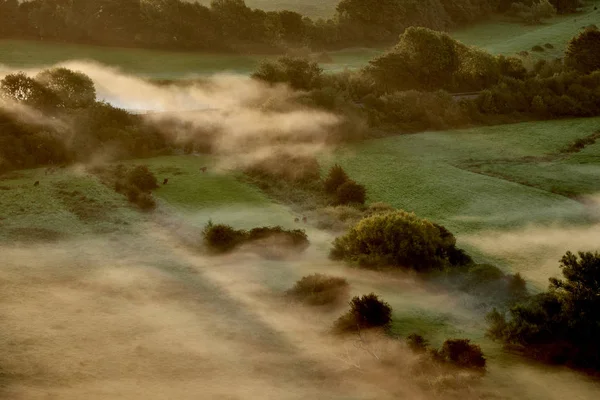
{"points": [[277, 199]]}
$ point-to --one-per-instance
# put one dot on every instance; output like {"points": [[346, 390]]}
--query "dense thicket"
{"points": [[230, 25], [561, 325], [65, 123], [410, 88]]}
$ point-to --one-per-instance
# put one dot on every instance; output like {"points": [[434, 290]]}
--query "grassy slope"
{"points": [[65, 203], [424, 173], [214, 194], [501, 37]]}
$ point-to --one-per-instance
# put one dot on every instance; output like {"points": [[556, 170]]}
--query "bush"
{"points": [[417, 343], [142, 178], [290, 238], [537, 48], [549, 46], [319, 289], [335, 178], [396, 239], [351, 193], [462, 353], [222, 238], [365, 312]]}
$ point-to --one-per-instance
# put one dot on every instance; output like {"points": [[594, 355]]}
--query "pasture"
{"points": [[488, 181]]}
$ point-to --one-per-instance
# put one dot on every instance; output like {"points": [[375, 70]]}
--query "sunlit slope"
{"points": [[427, 173], [67, 202], [72, 201], [501, 37]]}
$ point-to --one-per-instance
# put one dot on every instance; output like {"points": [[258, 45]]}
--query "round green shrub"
{"points": [[397, 239], [367, 311], [463, 353]]}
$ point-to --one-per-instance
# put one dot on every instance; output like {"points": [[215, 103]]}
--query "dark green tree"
{"points": [[74, 89], [335, 178], [583, 51]]}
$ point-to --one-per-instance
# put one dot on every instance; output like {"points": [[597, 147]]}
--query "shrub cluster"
{"points": [[344, 190], [457, 352], [366, 312], [399, 239], [319, 289], [221, 238], [136, 184]]}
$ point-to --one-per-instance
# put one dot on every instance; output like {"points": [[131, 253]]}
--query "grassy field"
{"points": [[432, 175]]}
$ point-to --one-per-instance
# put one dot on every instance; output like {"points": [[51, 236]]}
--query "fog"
{"points": [[245, 120]]}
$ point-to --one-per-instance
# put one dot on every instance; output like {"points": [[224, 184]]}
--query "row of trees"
{"points": [[230, 25], [408, 87]]}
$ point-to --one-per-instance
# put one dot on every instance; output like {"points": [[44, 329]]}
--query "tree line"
{"points": [[409, 88], [230, 25]]}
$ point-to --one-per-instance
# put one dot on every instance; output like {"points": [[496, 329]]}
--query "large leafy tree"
{"points": [[563, 324], [74, 89], [583, 52]]}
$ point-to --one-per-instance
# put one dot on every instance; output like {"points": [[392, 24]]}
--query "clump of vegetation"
{"points": [[581, 143], [461, 353], [583, 51], [335, 178], [134, 183], [417, 343], [319, 289], [351, 192], [398, 239], [457, 352], [537, 48], [221, 238], [366, 312], [561, 325], [549, 46]]}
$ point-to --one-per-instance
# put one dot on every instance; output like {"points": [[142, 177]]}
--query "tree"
{"points": [[422, 59], [583, 51], [397, 239], [335, 178], [299, 73], [74, 89], [21, 88], [561, 325], [351, 192], [142, 178]]}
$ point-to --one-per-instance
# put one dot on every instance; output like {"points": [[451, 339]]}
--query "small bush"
{"points": [[335, 178], [222, 238], [351, 193], [142, 178], [481, 274], [549, 46], [537, 48], [319, 289], [462, 353], [145, 201], [417, 343], [365, 312]]}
